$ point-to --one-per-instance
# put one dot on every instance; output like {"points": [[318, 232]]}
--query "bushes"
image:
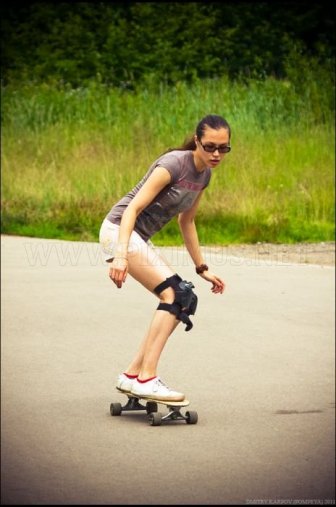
{"points": [[120, 44]]}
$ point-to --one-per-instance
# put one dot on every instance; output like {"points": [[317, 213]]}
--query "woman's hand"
{"points": [[218, 285], [118, 271]]}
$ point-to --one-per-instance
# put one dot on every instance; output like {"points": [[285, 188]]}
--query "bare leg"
{"points": [[163, 324], [146, 360]]}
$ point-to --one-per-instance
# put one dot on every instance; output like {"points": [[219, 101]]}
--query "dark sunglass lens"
{"points": [[224, 149], [210, 148]]}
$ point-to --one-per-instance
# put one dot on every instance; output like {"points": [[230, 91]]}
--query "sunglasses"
{"points": [[211, 148]]}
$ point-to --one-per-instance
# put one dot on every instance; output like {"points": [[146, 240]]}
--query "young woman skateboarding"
{"points": [[173, 185]]}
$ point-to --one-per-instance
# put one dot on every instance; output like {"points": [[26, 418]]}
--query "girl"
{"points": [[172, 186]]}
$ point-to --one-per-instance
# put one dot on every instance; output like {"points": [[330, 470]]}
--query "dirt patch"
{"points": [[301, 253]]}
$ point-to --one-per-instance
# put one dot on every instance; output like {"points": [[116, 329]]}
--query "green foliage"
{"points": [[69, 154], [124, 43], [93, 91]]}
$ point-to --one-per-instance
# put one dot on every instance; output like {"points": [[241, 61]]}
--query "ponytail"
{"points": [[188, 144]]}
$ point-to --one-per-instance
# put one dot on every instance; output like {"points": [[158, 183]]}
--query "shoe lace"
{"points": [[159, 382]]}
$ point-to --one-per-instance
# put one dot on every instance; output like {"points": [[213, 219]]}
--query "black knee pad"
{"points": [[185, 301]]}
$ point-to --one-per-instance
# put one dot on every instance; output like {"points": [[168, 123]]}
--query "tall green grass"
{"points": [[69, 154]]}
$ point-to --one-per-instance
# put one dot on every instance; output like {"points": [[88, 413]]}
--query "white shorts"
{"points": [[108, 239]]}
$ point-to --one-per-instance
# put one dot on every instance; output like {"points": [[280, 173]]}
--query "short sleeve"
{"points": [[172, 164]]}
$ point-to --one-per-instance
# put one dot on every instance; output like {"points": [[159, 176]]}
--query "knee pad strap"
{"points": [[185, 301]]}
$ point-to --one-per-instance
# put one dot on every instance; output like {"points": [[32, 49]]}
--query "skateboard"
{"points": [[155, 418]]}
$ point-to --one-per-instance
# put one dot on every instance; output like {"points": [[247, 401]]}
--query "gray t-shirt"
{"points": [[179, 195]]}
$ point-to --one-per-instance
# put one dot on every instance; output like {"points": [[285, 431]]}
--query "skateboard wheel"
{"points": [[192, 417], [155, 419], [151, 406], [115, 409]]}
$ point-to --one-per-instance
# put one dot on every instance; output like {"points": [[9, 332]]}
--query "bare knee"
{"points": [[167, 295]]}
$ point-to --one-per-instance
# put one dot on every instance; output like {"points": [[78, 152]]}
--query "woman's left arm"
{"points": [[186, 221]]}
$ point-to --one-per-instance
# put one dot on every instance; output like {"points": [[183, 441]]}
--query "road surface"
{"points": [[258, 367]]}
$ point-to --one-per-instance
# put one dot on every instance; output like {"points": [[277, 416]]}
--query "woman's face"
{"points": [[211, 138]]}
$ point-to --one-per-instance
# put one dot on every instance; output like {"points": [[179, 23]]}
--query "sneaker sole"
{"points": [[155, 398]]}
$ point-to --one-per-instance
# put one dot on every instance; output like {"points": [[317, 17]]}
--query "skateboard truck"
{"points": [[132, 404]]}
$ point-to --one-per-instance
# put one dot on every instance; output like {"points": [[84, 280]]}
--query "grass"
{"points": [[68, 155]]}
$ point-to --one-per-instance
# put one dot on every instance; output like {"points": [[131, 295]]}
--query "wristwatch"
{"points": [[201, 268]]}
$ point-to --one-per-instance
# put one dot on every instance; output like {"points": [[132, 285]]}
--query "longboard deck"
{"points": [[168, 403]]}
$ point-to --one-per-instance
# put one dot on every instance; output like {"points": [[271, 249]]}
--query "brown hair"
{"points": [[211, 120]]}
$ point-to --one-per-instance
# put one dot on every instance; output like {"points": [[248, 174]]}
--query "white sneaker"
{"points": [[156, 390], [124, 384]]}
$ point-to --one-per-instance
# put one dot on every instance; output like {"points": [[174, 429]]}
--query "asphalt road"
{"points": [[258, 367]]}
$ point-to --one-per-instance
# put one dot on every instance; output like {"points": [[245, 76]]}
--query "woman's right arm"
{"points": [[159, 178]]}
